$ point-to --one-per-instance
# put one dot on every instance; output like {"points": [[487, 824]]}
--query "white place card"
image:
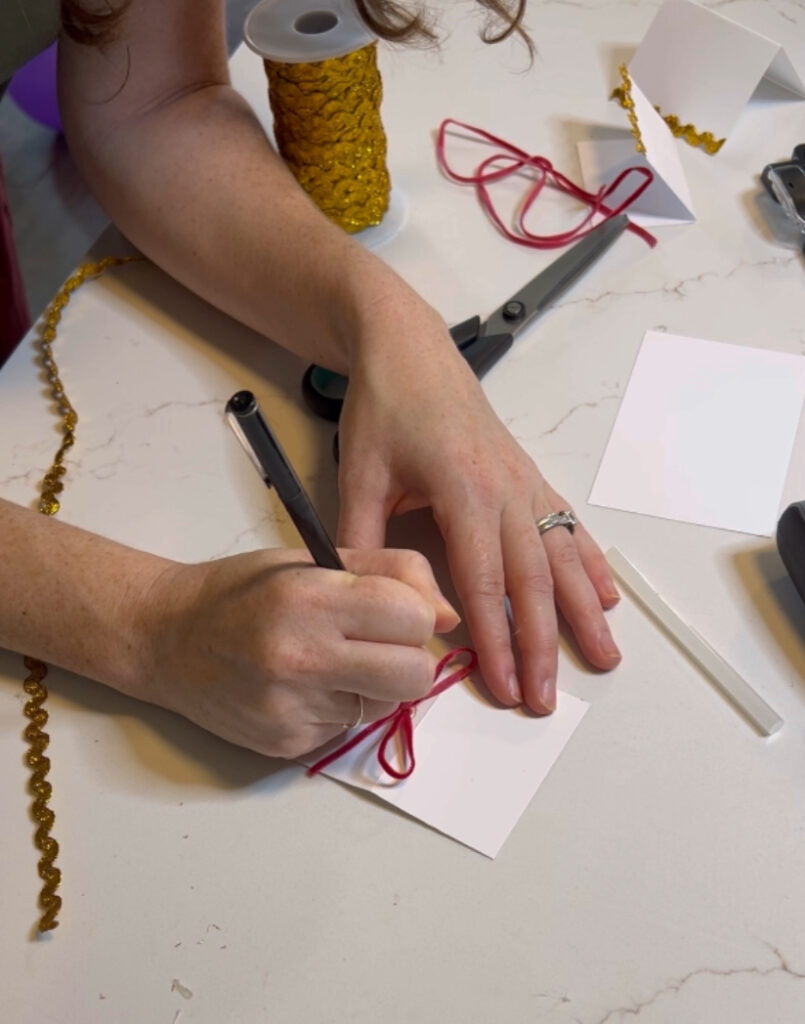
{"points": [[702, 67], [667, 200], [704, 434], [477, 766]]}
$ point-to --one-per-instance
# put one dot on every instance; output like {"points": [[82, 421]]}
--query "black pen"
{"points": [[271, 462]]}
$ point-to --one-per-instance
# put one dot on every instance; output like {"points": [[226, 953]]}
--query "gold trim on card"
{"points": [[688, 132]]}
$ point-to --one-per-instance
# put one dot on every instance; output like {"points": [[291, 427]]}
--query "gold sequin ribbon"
{"points": [[706, 140], [328, 130], [35, 711]]}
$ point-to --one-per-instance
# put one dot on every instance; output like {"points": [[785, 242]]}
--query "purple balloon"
{"points": [[33, 89]]}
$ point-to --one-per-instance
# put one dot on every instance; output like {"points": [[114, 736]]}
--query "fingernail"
{"points": [[608, 645], [611, 594], [448, 609], [513, 688], [547, 693], [442, 604]]}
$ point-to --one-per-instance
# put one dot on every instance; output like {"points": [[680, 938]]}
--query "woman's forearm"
{"points": [[74, 599], [184, 168]]}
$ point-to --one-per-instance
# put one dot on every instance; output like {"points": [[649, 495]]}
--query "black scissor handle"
{"points": [[483, 353], [323, 392], [466, 332]]}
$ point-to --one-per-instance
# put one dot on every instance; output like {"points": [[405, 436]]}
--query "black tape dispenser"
{"points": [[785, 183]]}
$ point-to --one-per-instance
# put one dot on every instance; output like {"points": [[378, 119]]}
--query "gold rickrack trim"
{"points": [[706, 140], [35, 711], [39, 764], [623, 94]]}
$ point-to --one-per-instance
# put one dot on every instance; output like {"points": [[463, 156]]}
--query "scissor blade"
{"points": [[548, 285]]}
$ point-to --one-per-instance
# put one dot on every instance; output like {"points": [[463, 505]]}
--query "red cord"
{"points": [[401, 720], [514, 160]]}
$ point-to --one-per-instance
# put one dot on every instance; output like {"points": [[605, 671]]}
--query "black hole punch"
{"points": [[316, 23]]}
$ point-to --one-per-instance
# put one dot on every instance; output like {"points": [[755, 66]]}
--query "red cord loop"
{"points": [[401, 722], [513, 160]]}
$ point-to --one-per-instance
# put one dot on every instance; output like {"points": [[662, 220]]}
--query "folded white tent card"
{"points": [[667, 199], [702, 68]]}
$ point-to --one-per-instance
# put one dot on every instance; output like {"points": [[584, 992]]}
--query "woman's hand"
{"points": [[270, 652], [416, 431]]}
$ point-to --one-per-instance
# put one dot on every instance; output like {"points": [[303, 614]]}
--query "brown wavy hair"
{"points": [[397, 22], [94, 25]]}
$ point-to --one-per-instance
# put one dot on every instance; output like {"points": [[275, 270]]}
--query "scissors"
{"points": [[483, 343]]}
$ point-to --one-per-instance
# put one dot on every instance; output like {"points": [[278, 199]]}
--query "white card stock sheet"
{"points": [[704, 434], [702, 66], [477, 765], [667, 200]]}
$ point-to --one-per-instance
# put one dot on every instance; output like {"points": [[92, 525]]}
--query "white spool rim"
{"points": [[393, 222], [305, 31]]}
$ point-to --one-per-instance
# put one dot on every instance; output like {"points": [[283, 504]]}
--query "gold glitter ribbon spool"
{"points": [[328, 130], [706, 140], [325, 90]]}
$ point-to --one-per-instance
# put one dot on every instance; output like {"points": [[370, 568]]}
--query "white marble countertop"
{"points": [[658, 875]]}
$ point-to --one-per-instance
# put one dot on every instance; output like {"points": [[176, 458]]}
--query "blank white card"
{"points": [[704, 434], [477, 765]]}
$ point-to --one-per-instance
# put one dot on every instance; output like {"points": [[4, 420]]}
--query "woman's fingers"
{"points": [[349, 710], [412, 569], [577, 596], [596, 567], [476, 565], [592, 558], [530, 586], [380, 671]]}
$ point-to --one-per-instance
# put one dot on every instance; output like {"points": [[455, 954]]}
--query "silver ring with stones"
{"points": [[564, 518]]}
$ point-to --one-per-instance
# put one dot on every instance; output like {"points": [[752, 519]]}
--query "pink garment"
{"points": [[14, 316]]}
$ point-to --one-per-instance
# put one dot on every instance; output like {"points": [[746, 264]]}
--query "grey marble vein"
{"points": [[781, 967], [575, 408]]}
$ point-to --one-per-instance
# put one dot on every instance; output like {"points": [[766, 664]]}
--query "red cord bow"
{"points": [[401, 720], [515, 160]]}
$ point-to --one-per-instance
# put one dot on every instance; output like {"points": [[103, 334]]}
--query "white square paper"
{"points": [[704, 434], [477, 766]]}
